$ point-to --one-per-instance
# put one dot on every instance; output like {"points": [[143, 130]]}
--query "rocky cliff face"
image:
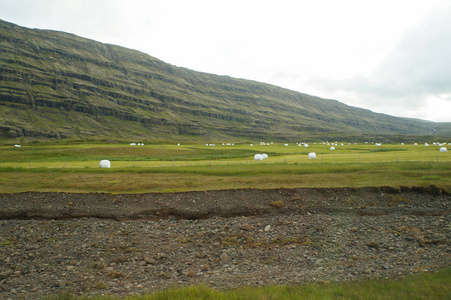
{"points": [[58, 85]]}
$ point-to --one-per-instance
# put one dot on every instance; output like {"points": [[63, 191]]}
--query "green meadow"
{"points": [[196, 167]]}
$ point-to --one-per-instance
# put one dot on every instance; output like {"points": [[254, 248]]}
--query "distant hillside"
{"points": [[58, 85]]}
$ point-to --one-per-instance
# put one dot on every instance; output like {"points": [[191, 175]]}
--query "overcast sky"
{"points": [[389, 56]]}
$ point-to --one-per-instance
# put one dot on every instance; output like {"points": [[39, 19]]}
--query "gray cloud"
{"points": [[418, 67], [416, 70], [421, 63]]}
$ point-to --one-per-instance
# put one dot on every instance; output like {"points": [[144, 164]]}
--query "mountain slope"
{"points": [[58, 85]]}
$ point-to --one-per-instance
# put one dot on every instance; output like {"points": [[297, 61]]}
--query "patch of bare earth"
{"points": [[86, 244]]}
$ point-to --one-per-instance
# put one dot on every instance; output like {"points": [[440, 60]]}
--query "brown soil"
{"points": [[225, 203]]}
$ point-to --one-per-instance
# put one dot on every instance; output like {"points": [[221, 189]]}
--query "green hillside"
{"points": [[60, 86]]}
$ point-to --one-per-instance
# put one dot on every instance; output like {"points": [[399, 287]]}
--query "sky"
{"points": [[388, 56]]}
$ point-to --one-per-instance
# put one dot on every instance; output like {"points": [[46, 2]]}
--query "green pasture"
{"points": [[190, 167]]}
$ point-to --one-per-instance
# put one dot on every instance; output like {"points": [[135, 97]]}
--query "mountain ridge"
{"points": [[59, 85]]}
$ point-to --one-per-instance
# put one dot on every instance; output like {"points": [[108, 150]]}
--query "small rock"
{"points": [[150, 260], [268, 228], [114, 274], [224, 256], [190, 274], [372, 245], [161, 256], [70, 268], [120, 259], [6, 274], [247, 227], [164, 275], [60, 283]]}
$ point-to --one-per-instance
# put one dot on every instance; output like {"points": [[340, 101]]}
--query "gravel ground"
{"points": [[86, 244]]}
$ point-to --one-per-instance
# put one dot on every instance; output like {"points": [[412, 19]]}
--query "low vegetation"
{"points": [[420, 286]]}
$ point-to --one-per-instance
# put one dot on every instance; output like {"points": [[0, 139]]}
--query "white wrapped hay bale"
{"points": [[258, 157], [332, 148], [426, 144], [312, 155], [443, 149], [105, 164], [264, 156], [17, 146]]}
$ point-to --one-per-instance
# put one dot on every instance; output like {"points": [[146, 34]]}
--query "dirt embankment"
{"points": [[225, 203], [85, 244]]}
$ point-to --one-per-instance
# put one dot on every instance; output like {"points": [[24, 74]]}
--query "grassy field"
{"points": [[419, 286], [194, 167]]}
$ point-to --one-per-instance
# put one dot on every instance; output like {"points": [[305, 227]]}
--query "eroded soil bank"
{"points": [[130, 244], [225, 203]]}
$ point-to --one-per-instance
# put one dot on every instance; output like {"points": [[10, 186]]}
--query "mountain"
{"points": [[58, 85]]}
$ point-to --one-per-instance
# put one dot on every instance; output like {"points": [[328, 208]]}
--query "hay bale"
{"points": [[105, 164], [312, 155], [258, 157], [264, 156], [443, 149], [332, 148]]}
